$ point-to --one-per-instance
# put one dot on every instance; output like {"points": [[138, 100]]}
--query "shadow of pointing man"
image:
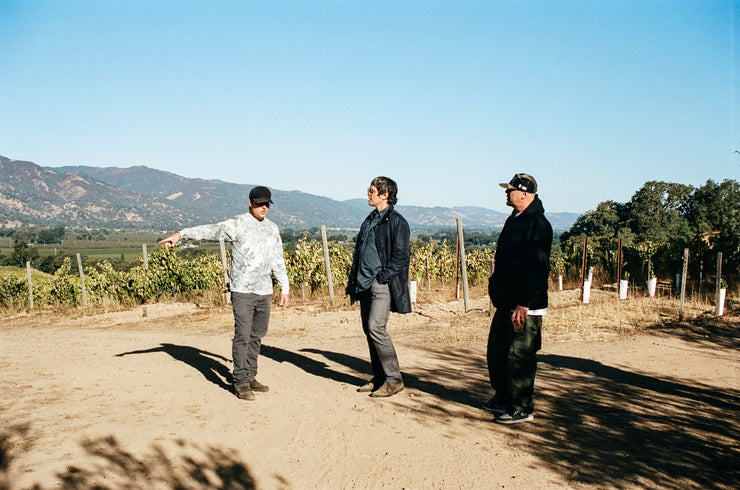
{"points": [[206, 362]]}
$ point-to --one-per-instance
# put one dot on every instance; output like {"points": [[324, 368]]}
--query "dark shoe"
{"points": [[515, 417], [244, 392], [387, 389], [492, 407], [257, 386]]}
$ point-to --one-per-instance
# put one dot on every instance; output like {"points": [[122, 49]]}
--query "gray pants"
{"points": [[251, 317], [375, 305]]}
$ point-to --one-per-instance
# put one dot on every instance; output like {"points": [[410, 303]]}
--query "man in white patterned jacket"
{"points": [[257, 253]]}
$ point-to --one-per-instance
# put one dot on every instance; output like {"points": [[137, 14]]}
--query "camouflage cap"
{"points": [[522, 182]]}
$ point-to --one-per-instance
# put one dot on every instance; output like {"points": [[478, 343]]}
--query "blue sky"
{"points": [[449, 98]]}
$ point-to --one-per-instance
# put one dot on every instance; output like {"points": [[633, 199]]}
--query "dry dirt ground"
{"points": [[142, 399]]}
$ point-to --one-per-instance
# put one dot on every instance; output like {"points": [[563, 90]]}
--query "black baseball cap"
{"points": [[522, 182], [260, 195]]}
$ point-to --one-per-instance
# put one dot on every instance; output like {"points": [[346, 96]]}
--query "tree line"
{"points": [[655, 226]]}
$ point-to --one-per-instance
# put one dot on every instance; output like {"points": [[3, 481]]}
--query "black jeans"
{"points": [[512, 360], [251, 317]]}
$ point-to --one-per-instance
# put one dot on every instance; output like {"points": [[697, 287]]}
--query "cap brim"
{"points": [[506, 185], [262, 201]]}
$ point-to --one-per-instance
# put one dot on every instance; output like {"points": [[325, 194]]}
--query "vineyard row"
{"points": [[168, 273]]}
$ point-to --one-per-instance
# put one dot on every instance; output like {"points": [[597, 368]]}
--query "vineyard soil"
{"points": [[140, 398]]}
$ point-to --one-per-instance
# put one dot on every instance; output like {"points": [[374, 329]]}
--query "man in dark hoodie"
{"points": [[518, 290], [379, 280]]}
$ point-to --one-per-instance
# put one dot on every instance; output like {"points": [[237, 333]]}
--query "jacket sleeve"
{"points": [[225, 229], [537, 260], [278, 266], [399, 251]]}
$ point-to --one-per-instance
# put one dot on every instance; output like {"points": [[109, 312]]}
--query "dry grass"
{"points": [[568, 317], [606, 315]]}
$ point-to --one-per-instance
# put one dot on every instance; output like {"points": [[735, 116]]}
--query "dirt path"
{"points": [[141, 399]]}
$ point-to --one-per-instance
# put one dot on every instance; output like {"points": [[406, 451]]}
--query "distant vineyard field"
{"points": [[172, 272]]}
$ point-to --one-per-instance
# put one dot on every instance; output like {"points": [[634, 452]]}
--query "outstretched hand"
{"points": [[171, 240]]}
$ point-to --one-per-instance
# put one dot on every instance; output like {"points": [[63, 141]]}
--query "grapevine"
{"points": [[170, 274]]}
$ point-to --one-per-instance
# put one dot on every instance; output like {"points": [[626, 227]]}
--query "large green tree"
{"points": [[657, 212], [21, 254], [657, 215], [603, 226], [714, 215], [653, 227]]}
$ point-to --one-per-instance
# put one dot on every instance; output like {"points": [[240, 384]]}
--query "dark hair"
{"points": [[386, 185]]}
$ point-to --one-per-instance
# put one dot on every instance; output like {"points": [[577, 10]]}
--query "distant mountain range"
{"points": [[145, 198]]}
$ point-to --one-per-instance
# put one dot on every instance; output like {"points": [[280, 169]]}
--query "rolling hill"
{"points": [[145, 198]]}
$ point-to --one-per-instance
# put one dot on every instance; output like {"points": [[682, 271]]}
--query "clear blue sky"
{"points": [[449, 98]]}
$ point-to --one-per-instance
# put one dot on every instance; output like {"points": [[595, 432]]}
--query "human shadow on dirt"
{"points": [[442, 387], [111, 467], [311, 366], [207, 363], [594, 423], [711, 331], [605, 425]]}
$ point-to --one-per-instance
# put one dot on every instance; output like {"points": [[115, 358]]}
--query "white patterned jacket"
{"points": [[256, 253]]}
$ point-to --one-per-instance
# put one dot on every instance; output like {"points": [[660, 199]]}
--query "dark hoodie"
{"points": [[522, 262]]}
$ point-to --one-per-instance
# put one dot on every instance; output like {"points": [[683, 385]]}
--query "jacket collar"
{"points": [[387, 212], [533, 208]]}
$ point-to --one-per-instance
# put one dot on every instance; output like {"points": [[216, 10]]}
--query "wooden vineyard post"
{"points": [[30, 284], [82, 280], [463, 264], [145, 255], [583, 266], [683, 281], [429, 277], [619, 260], [622, 284], [227, 289], [457, 267], [718, 289], [327, 264]]}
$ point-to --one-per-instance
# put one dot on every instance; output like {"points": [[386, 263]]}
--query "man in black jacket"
{"points": [[379, 280], [518, 290]]}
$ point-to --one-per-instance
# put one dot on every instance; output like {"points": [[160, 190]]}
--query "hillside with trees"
{"points": [[148, 199]]}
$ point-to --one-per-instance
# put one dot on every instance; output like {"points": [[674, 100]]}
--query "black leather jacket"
{"points": [[392, 236], [522, 262]]}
